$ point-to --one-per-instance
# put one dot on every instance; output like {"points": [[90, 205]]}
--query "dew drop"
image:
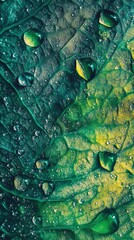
{"points": [[16, 127], [37, 133], [106, 222], [15, 55], [21, 152], [33, 37], [47, 188], [21, 183], [25, 79], [42, 164], [86, 68], [36, 220], [108, 18], [107, 160]]}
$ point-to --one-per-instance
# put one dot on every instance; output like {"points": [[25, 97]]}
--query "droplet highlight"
{"points": [[108, 18], [25, 79], [33, 37], [21, 183], [107, 160], [106, 222], [86, 68], [47, 188]]}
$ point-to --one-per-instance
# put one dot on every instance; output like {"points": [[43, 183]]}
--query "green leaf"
{"points": [[59, 133]]}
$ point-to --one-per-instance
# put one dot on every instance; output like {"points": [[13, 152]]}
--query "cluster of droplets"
{"points": [[107, 221], [22, 183], [86, 67]]}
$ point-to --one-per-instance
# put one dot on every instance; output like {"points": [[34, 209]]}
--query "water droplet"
{"points": [[107, 160], [16, 127], [33, 37], [15, 55], [37, 133], [86, 68], [42, 164], [106, 222], [21, 183], [47, 188], [108, 18], [25, 79], [36, 220]]}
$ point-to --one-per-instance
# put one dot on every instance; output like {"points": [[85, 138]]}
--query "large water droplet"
{"points": [[42, 164], [47, 188], [33, 37], [107, 160], [25, 79], [108, 18], [106, 222], [86, 68], [21, 183]]}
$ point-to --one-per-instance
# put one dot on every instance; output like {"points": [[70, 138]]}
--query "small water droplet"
{"points": [[25, 79], [36, 220], [20, 152], [106, 222], [80, 201], [37, 133], [33, 37], [74, 204], [47, 188], [21, 183], [42, 164], [15, 55], [86, 68], [107, 160], [108, 18], [16, 127]]}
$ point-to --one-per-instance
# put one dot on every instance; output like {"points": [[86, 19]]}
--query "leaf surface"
{"points": [[51, 132]]}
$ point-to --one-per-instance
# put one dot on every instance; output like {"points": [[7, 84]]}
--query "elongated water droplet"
{"points": [[86, 68], [25, 79], [107, 160], [108, 18], [106, 222], [42, 164], [21, 183], [33, 37], [47, 188]]}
